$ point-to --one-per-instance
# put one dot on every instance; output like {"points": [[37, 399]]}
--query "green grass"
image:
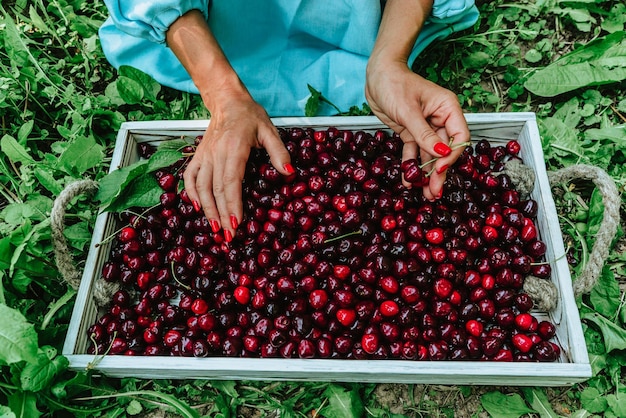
{"points": [[61, 105]]}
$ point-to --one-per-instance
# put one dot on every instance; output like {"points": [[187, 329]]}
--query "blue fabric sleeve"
{"points": [[148, 19], [446, 17]]}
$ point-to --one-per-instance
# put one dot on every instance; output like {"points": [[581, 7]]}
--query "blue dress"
{"points": [[276, 47]]}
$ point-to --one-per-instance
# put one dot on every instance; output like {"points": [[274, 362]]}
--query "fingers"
{"points": [[279, 156], [227, 190], [198, 178]]}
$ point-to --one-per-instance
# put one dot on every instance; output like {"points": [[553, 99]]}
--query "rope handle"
{"points": [[63, 257], [542, 291]]}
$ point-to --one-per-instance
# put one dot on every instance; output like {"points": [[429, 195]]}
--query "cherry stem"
{"points": [[343, 236], [176, 278], [453, 147], [114, 234], [541, 263]]}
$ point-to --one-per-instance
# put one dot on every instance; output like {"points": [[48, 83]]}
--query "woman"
{"points": [[250, 59]]}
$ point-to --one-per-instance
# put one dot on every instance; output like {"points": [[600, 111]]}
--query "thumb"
{"points": [[279, 156]]}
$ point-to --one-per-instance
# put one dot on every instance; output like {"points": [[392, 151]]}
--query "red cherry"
{"points": [[389, 308], [199, 306], [474, 327], [242, 295], [369, 342], [523, 342], [346, 317], [435, 236]]}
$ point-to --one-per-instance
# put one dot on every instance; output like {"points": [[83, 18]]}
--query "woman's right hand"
{"points": [[215, 174]]}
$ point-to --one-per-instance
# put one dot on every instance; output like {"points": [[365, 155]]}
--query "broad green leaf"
{"points": [[617, 403], [78, 235], [538, 400], [601, 61], [499, 405], [18, 339], [15, 151], [149, 85], [142, 192], [129, 90], [5, 412], [163, 158], [47, 180], [605, 295], [83, 153], [24, 404], [592, 400], [39, 375], [112, 185], [24, 131], [342, 403], [615, 134], [560, 139], [614, 337]]}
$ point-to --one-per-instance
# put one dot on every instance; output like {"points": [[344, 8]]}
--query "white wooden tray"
{"points": [[573, 365]]}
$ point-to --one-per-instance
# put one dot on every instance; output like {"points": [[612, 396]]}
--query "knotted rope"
{"points": [[63, 257], [544, 292]]}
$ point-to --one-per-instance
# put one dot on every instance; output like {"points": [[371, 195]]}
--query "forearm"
{"points": [[193, 43], [401, 23]]}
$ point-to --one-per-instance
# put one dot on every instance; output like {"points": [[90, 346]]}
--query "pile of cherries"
{"points": [[338, 260]]}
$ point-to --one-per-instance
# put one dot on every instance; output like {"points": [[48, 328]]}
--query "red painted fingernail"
{"points": [[196, 205], [233, 221], [289, 168], [442, 169], [215, 226], [228, 236], [440, 194], [442, 149]]}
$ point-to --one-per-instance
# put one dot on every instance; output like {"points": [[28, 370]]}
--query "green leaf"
{"points": [[342, 403], [129, 90], [617, 403], [538, 400], [47, 180], [560, 139], [24, 404], [14, 150], [228, 387], [477, 59], [149, 85], [18, 339], [164, 157], [605, 295], [5, 412], [592, 400], [70, 387], [601, 61], [134, 407], [614, 337], [313, 102], [142, 192], [24, 131], [499, 405], [82, 154], [78, 235], [111, 185], [39, 375]]}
